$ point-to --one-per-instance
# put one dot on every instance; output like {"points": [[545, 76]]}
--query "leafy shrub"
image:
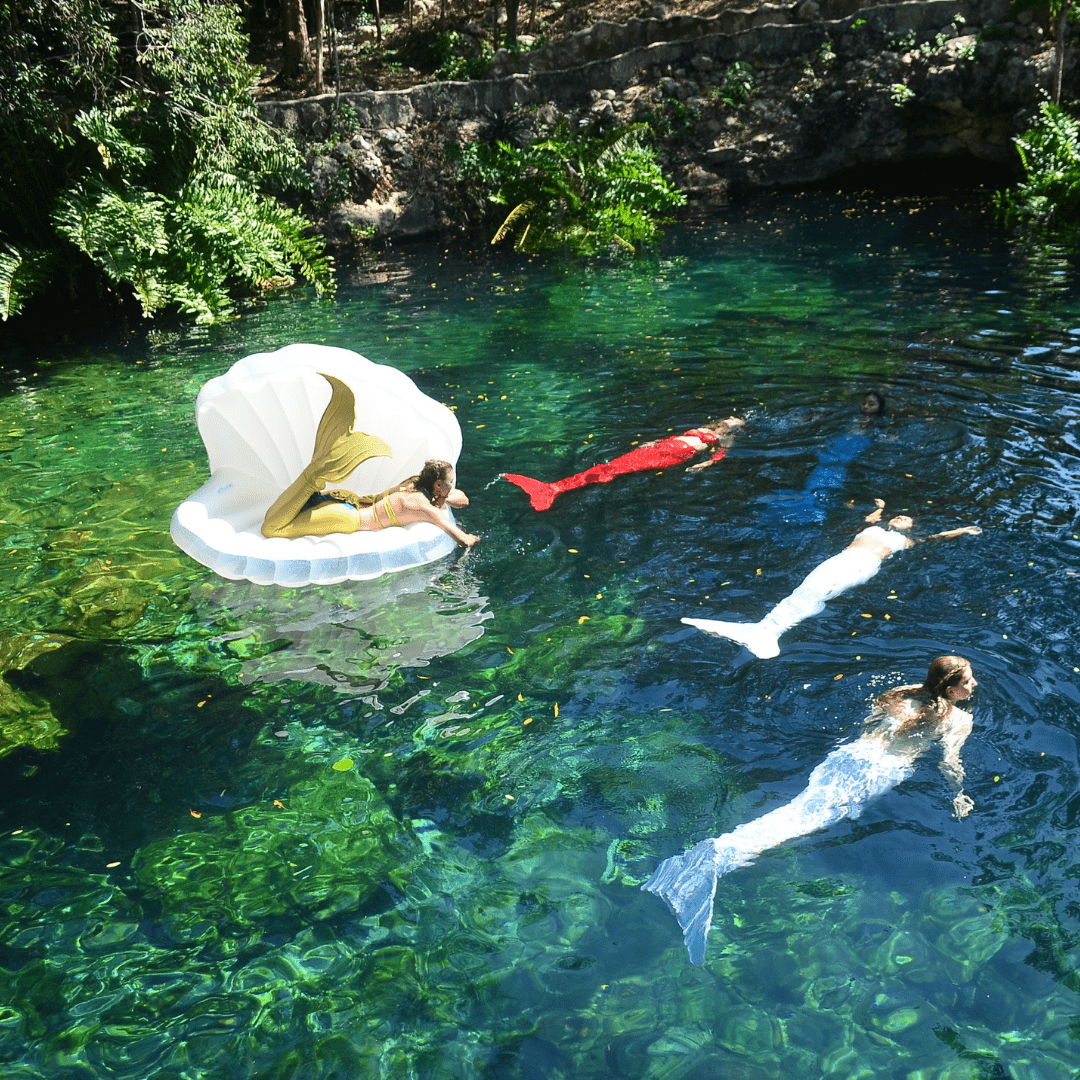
{"points": [[452, 62], [164, 179], [1050, 155], [901, 94], [588, 193], [738, 85]]}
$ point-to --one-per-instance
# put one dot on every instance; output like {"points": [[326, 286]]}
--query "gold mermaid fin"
{"points": [[339, 449]]}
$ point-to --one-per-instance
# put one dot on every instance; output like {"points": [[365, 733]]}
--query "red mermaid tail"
{"points": [[541, 495], [660, 455]]}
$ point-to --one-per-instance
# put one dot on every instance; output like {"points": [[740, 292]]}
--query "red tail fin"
{"points": [[541, 495]]}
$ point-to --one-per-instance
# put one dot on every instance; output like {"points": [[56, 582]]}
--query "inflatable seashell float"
{"points": [[258, 423]]}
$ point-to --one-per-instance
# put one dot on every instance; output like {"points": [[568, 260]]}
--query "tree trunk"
{"points": [[378, 26], [1059, 51], [319, 21], [512, 23], [333, 46], [296, 52]]}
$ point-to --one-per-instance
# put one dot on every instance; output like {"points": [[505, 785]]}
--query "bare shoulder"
{"points": [[900, 702], [413, 500]]}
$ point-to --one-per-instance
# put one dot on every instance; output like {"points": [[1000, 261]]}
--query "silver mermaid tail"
{"points": [[840, 787], [851, 567]]}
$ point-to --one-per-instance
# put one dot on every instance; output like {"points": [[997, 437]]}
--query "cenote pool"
{"points": [[398, 828]]}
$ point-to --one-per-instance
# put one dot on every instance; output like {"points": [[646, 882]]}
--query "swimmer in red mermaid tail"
{"points": [[308, 508], [660, 454]]}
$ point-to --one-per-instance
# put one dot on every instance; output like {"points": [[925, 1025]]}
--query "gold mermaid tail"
{"points": [[338, 449]]}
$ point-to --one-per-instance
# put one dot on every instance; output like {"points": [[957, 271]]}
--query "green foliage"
{"points": [[166, 181], [1050, 154], [23, 271], [585, 192], [993, 31], [452, 62], [738, 85], [901, 94], [902, 42]]}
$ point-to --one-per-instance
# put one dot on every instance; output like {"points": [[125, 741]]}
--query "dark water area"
{"points": [[399, 827]]}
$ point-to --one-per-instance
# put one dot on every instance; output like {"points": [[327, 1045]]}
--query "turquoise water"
{"points": [[398, 828]]}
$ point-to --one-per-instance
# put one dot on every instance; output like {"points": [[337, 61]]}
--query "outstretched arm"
{"points": [[951, 765], [434, 514], [952, 534], [875, 516]]}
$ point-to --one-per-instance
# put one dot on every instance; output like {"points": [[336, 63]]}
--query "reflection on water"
{"points": [[240, 861], [351, 636]]}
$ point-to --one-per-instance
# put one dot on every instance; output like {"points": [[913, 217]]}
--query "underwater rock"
{"points": [[322, 853]]}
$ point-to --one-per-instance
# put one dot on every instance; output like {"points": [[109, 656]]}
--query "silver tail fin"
{"points": [[757, 637], [687, 884]]}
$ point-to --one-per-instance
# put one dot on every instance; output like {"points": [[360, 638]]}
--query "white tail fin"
{"points": [[759, 639], [687, 884]]}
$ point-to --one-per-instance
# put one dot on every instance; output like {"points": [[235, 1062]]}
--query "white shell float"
{"points": [[258, 422]]}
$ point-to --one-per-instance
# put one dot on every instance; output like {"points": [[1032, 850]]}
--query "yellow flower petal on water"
{"points": [[584, 618], [866, 615], [527, 720], [344, 765], [520, 698], [509, 650], [556, 708], [510, 797], [573, 551], [837, 678], [194, 813], [758, 570], [110, 865], [279, 804], [599, 596]]}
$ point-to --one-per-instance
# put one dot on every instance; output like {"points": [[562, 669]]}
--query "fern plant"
{"points": [[1050, 155], [588, 193], [171, 178]]}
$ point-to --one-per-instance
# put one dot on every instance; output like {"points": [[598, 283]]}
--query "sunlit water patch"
{"points": [[399, 828]]}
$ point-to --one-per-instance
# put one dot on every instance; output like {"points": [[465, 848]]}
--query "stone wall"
{"points": [[927, 81]]}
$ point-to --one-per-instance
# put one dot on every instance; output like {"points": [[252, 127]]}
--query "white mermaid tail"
{"points": [[851, 567], [840, 787]]}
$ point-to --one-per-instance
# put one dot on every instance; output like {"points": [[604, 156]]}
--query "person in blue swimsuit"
{"points": [[809, 506]]}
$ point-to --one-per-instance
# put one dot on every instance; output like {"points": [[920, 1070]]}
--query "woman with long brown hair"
{"points": [[903, 724], [310, 507]]}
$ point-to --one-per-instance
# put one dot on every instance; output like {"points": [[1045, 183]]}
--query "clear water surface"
{"points": [[398, 828]]}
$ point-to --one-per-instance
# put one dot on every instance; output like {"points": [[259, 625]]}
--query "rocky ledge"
{"points": [[933, 84]]}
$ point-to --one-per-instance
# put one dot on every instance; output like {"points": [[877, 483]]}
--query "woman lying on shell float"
{"points": [[304, 508], [903, 724]]}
